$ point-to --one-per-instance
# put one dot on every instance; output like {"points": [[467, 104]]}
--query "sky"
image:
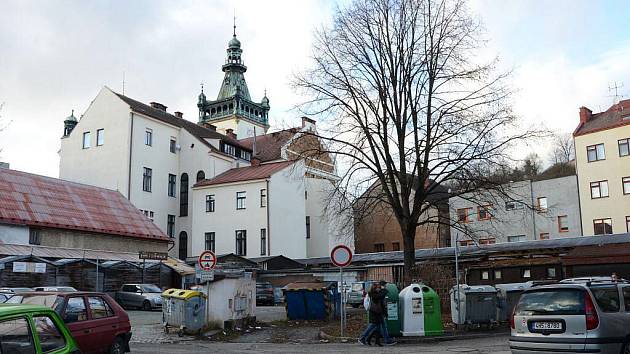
{"points": [[55, 56]]}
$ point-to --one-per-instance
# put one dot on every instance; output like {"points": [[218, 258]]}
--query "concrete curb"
{"points": [[419, 340]]}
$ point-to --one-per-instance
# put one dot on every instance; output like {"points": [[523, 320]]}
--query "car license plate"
{"points": [[547, 325]]}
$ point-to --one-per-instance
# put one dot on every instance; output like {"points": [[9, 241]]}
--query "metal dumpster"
{"points": [[509, 294], [475, 305], [184, 310]]}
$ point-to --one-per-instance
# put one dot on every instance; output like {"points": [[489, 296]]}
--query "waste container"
{"points": [[184, 310], [420, 311], [393, 318], [509, 294], [477, 305]]}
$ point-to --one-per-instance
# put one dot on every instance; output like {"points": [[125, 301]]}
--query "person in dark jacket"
{"points": [[377, 314]]}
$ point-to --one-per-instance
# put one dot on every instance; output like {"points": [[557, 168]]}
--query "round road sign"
{"points": [[207, 260], [341, 255]]}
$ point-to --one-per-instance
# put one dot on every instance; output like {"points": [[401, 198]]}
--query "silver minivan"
{"points": [[580, 315]]}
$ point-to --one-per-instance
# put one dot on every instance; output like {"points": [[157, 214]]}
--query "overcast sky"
{"points": [[56, 55]]}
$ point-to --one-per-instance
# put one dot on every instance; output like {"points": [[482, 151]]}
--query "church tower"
{"points": [[234, 109]]}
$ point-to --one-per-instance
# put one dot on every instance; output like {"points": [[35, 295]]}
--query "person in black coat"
{"points": [[376, 314]]}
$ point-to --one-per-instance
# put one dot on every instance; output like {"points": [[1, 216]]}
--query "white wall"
{"points": [[241, 127], [223, 296], [14, 234], [104, 166]]}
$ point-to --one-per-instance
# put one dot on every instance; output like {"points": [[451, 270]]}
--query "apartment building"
{"points": [[602, 147]]}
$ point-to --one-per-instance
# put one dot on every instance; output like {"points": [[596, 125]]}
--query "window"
{"points": [[487, 241], [170, 225], [624, 147], [240, 200], [395, 246], [183, 195], [551, 302], [99, 308], [517, 238], [595, 152], [183, 245], [513, 205], [551, 272], [308, 227], [541, 204], [625, 182], [463, 215], [86, 140], [34, 238], [15, 336], [607, 297], [563, 223], [210, 203], [100, 137], [483, 212], [75, 310], [602, 226], [599, 189], [241, 242], [229, 149], [526, 273], [628, 223], [626, 297], [172, 147], [498, 274], [544, 236], [148, 137], [305, 195], [172, 180], [466, 243], [146, 179], [263, 198], [148, 213], [201, 176], [263, 242], [210, 241], [485, 275], [379, 247]]}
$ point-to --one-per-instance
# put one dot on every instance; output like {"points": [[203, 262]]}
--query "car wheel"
{"points": [[146, 305], [118, 347]]}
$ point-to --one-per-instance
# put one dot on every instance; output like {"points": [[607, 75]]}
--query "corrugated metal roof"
{"points": [[29, 199], [248, 173], [480, 250]]}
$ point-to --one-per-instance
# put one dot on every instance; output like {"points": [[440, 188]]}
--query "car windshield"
{"points": [[551, 302], [357, 287], [150, 288]]}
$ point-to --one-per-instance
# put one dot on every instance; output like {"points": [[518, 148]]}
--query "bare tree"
{"points": [[562, 151], [410, 112]]}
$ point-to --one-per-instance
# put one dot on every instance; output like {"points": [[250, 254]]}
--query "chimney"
{"points": [[306, 121], [230, 133], [158, 105], [585, 114], [179, 114], [255, 161], [208, 126]]}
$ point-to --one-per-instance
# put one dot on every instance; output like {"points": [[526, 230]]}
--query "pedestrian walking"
{"points": [[377, 312]]}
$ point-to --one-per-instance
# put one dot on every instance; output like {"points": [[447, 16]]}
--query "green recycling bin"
{"points": [[393, 316]]}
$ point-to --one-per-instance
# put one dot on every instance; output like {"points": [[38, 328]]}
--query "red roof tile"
{"points": [[269, 146], [617, 115], [242, 174], [28, 199]]}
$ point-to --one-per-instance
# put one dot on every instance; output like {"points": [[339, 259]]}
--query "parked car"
{"points": [[357, 292], [96, 321], [580, 315], [264, 294], [21, 325], [15, 290], [144, 296], [55, 288]]}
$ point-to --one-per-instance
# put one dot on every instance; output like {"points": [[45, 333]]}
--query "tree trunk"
{"points": [[409, 253]]}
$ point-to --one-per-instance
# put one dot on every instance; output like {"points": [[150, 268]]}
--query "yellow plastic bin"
{"points": [[184, 310]]}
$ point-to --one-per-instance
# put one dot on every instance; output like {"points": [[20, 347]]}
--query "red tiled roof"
{"points": [[617, 115], [28, 199], [248, 173], [269, 146]]}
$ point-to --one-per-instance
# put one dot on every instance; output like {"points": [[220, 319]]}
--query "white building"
{"points": [[154, 158]]}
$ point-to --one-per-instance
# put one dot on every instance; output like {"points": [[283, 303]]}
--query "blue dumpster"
{"points": [[311, 301]]}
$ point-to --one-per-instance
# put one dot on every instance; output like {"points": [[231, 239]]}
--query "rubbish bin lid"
{"points": [[181, 294]]}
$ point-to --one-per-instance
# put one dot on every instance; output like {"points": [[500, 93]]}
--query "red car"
{"points": [[96, 321]]}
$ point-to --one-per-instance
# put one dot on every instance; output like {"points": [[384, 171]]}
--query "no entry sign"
{"points": [[207, 260], [341, 256]]}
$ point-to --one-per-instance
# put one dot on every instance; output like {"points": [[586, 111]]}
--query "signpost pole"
{"points": [[341, 256], [341, 308]]}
